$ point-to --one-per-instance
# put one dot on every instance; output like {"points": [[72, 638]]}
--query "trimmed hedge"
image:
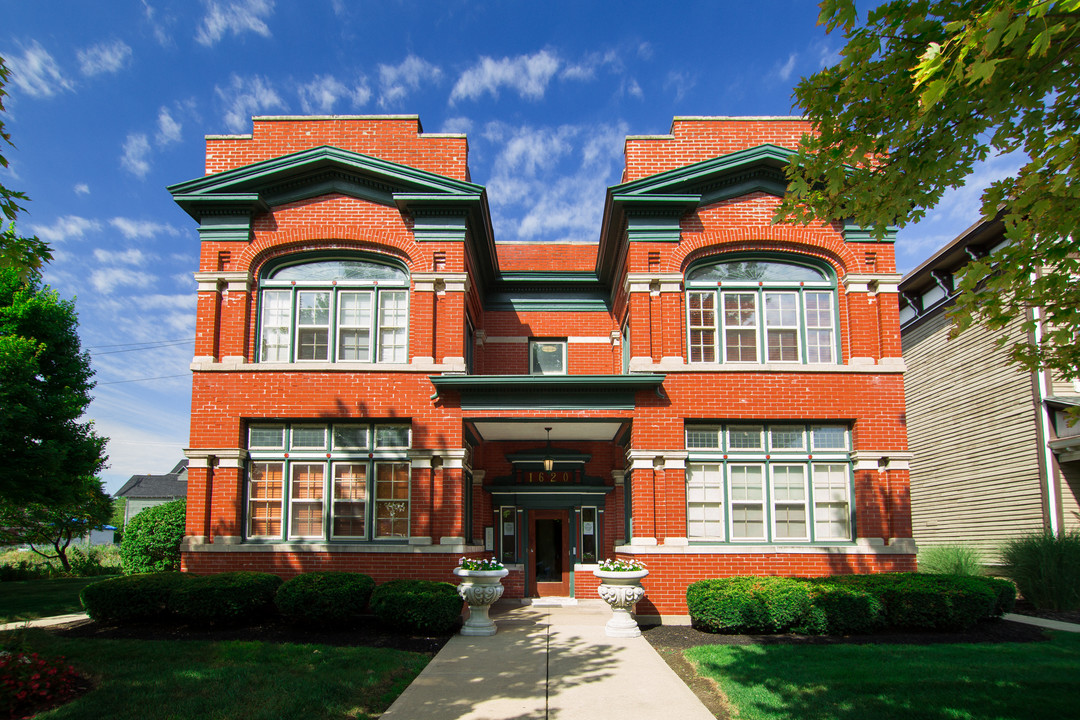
{"points": [[845, 604], [333, 599], [420, 605], [233, 598], [152, 539], [133, 598]]}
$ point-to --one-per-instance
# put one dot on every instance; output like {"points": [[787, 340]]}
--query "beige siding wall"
{"points": [[972, 430]]}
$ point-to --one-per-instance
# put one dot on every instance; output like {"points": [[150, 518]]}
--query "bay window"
{"points": [[335, 310], [769, 483], [761, 310], [311, 482]]}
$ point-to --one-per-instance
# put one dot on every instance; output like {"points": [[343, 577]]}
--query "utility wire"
{"points": [[148, 342], [159, 377], [149, 347]]}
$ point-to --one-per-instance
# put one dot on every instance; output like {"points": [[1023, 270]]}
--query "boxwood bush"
{"points": [[419, 605], [233, 598], [335, 599], [845, 604], [152, 539], [132, 598]]}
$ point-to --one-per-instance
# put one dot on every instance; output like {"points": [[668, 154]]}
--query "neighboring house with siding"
{"points": [[143, 491], [993, 455]]}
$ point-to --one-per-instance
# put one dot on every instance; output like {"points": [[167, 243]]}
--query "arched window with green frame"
{"points": [[347, 308], [756, 309]]}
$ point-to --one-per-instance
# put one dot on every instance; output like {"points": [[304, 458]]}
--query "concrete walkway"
{"points": [[548, 663]]}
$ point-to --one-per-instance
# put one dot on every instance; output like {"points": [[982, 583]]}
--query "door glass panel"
{"points": [[549, 550]]}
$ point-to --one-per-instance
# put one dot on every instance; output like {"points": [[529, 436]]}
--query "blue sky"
{"points": [[109, 102]]}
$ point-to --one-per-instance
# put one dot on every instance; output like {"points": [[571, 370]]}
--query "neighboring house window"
{"points": [[776, 483], [547, 357], [761, 310], [347, 482], [337, 310]]}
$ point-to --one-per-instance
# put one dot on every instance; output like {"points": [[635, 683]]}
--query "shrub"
{"points": [[1006, 595], [29, 683], [842, 609], [420, 605], [324, 598], [950, 560], [748, 604], [95, 560], [152, 539], [132, 598], [1046, 569], [234, 598], [928, 602]]}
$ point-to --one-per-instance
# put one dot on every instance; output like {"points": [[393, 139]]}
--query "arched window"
{"points": [[334, 310], [754, 309]]}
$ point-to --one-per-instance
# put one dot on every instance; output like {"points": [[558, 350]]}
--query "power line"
{"points": [[159, 377], [149, 347], [148, 342]]}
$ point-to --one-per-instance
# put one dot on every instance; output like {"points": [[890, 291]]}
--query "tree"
{"points": [[50, 529], [24, 254], [45, 383], [923, 90], [152, 539]]}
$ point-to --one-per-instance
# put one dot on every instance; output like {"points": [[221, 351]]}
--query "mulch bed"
{"points": [[368, 632]]}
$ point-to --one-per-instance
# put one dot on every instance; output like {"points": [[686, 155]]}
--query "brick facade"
{"points": [[380, 190]]}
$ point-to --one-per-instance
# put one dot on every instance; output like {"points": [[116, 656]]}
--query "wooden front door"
{"points": [[549, 552]]}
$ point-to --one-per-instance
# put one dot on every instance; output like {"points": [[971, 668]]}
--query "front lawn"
{"points": [[29, 599], [1003, 681], [163, 680]]}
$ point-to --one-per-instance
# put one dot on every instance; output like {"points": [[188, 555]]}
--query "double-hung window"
{"points": [[768, 483], [317, 482], [337, 310], [761, 310]]}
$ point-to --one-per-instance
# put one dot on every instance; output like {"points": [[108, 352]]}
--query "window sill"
{"points": [[866, 546], [418, 365], [856, 365], [368, 547]]}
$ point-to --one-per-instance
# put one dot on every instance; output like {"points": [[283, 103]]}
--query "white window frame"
{"points": [[534, 348], [776, 502], [706, 493], [735, 503]]}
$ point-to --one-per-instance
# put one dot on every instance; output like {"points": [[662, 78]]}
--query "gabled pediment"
{"points": [[649, 209]]}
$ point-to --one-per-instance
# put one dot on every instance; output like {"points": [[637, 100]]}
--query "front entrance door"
{"points": [[549, 552]]}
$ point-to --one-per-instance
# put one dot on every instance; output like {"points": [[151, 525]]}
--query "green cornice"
{"points": [[854, 233], [547, 291], [576, 392], [705, 173]]}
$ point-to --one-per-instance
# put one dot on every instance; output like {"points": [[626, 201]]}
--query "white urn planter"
{"points": [[621, 590], [479, 589]]}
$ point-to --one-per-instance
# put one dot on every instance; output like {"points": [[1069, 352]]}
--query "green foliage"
{"points": [[748, 604], [419, 605], [45, 383], [1046, 568], [50, 529], [132, 598], [30, 682], [845, 604], [324, 599], [950, 560], [152, 539], [227, 599], [85, 562], [119, 508], [922, 91], [23, 255]]}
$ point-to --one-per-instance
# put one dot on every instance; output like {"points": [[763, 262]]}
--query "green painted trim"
{"points": [[855, 233], [551, 392], [547, 292], [642, 381], [686, 176], [497, 302]]}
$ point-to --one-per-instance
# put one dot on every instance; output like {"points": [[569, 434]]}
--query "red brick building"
{"points": [[380, 386]]}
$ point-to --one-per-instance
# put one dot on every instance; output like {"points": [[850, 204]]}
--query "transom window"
{"points": [[317, 482], [775, 483], [340, 310], [753, 310]]}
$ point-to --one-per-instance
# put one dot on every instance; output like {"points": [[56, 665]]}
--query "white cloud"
{"points": [[36, 73], [108, 279], [245, 97], [136, 157], [457, 125], [158, 27], [586, 69], [66, 228], [168, 128], [103, 58], [784, 71], [82, 189], [680, 82], [131, 256], [397, 81], [323, 92], [529, 75], [135, 229], [237, 17], [630, 87]]}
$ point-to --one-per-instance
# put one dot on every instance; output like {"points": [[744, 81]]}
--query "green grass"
{"points": [[29, 599], [1007, 681], [163, 680]]}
